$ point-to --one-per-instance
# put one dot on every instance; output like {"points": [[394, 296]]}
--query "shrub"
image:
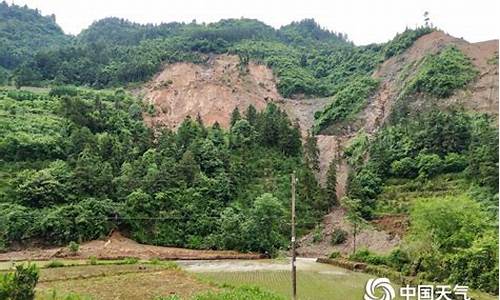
{"points": [[19, 285], [441, 74], [406, 167], [334, 254], [404, 40], [63, 90], [93, 260], [73, 247], [454, 162], [429, 164], [366, 256], [55, 264], [398, 259], [347, 102], [339, 236], [318, 234]]}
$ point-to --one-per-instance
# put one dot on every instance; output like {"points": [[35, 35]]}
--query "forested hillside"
{"points": [[24, 32], [77, 164], [109, 134]]}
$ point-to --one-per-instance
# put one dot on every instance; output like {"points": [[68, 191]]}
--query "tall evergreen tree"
{"points": [[331, 183], [235, 116], [311, 151], [251, 115]]}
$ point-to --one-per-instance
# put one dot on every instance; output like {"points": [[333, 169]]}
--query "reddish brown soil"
{"points": [[119, 247], [211, 90], [395, 225]]}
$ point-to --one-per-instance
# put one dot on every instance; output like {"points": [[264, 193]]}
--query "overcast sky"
{"points": [[365, 21]]}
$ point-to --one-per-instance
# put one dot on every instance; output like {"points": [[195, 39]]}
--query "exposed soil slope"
{"points": [[370, 237], [118, 247], [480, 96], [211, 90]]}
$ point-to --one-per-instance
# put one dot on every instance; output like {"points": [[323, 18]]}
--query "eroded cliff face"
{"points": [[211, 90]]}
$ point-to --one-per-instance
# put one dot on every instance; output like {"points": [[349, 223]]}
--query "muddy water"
{"points": [[303, 264]]}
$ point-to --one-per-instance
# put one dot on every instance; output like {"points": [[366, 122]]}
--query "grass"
{"points": [[399, 194], [310, 285], [123, 281]]}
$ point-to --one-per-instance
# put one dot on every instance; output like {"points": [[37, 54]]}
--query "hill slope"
{"points": [[212, 90], [23, 32]]}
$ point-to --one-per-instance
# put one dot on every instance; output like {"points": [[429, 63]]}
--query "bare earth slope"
{"points": [[211, 90]]}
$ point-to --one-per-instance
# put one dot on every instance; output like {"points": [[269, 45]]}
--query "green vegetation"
{"points": [[443, 73], [251, 293], [19, 285], [433, 143], [55, 264], [404, 40], [99, 167], [346, 103], [307, 58], [24, 32], [441, 168], [327, 282], [73, 247], [339, 236], [461, 242]]}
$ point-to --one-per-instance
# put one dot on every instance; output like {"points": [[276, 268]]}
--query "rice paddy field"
{"points": [[315, 281], [126, 279]]}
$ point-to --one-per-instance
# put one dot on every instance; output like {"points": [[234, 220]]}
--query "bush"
{"points": [[73, 247], [398, 259], [55, 264], [335, 254], [366, 256], [19, 285], [93, 260], [429, 164], [339, 236], [346, 103], [454, 162], [63, 90], [406, 167], [441, 74], [318, 234], [403, 41]]}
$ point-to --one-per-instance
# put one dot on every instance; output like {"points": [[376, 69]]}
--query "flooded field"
{"points": [[315, 281]]}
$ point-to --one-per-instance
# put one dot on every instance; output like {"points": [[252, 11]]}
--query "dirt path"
{"points": [[119, 247]]}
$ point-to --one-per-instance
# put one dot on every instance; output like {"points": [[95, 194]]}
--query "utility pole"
{"points": [[294, 275]]}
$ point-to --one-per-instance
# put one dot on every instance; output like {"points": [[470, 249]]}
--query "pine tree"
{"points": [[235, 116], [331, 183], [251, 115], [311, 151]]}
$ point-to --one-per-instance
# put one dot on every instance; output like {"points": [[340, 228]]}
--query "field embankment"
{"points": [[119, 247]]}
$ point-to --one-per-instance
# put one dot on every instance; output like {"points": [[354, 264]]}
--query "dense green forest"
{"points": [[78, 163], [308, 59]]}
